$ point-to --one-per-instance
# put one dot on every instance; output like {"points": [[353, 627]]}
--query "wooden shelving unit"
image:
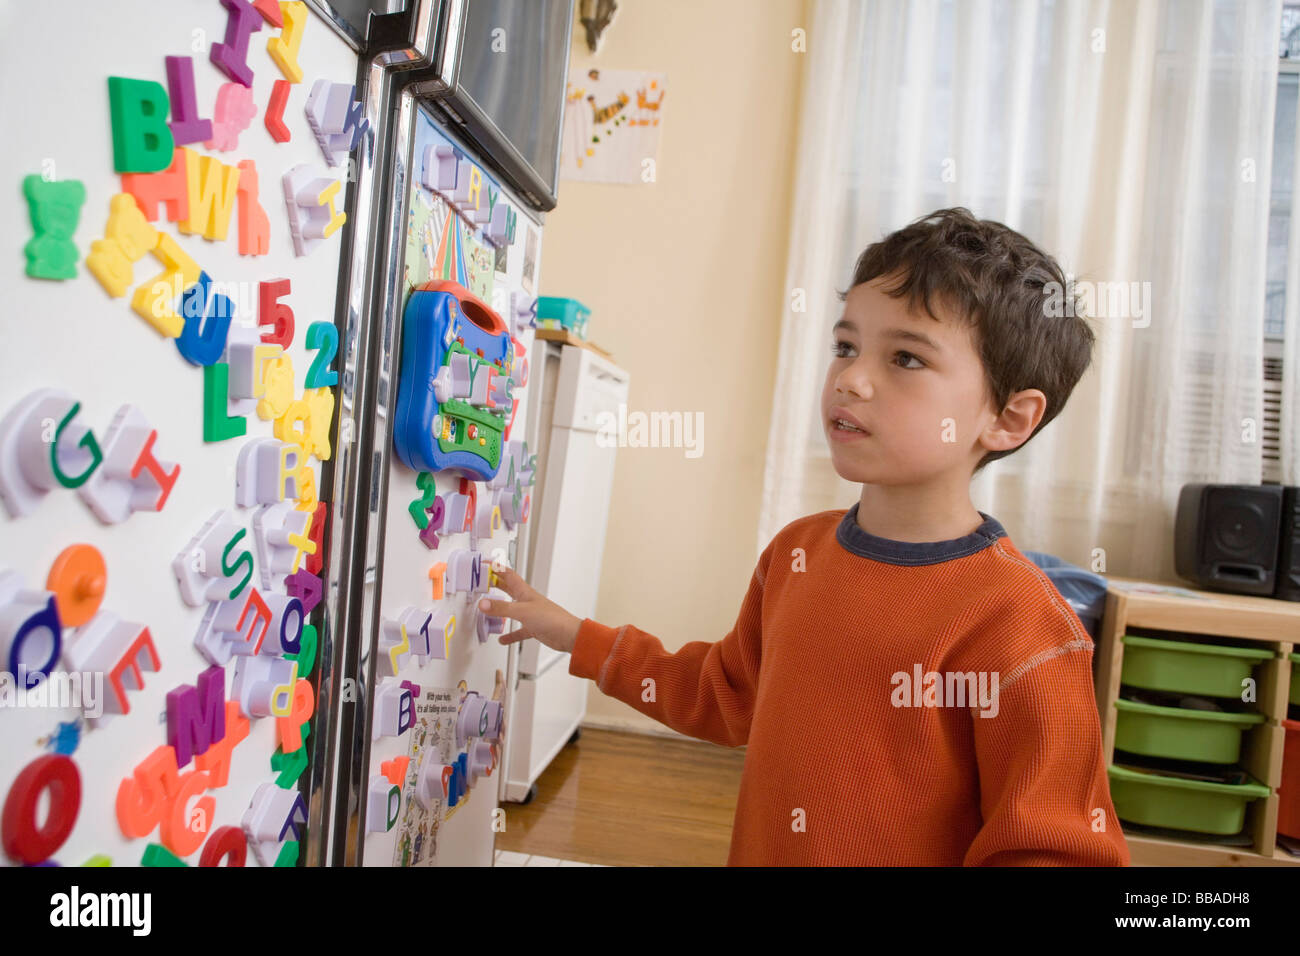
{"points": [[568, 338], [1272, 624]]}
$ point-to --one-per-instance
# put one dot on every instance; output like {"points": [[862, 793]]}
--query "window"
{"points": [[1281, 200]]}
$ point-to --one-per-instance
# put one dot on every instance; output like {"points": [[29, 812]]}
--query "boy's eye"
{"points": [[842, 350], [910, 356]]}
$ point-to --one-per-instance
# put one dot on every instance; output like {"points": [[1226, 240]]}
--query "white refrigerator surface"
{"points": [[431, 827], [72, 335]]}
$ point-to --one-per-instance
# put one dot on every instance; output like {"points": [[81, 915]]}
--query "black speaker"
{"points": [[1288, 555], [1226, 537]]}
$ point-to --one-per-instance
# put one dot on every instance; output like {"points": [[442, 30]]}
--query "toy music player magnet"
{"points": [[454, 394]]}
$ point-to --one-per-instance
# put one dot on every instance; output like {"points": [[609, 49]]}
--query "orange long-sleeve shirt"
{"points": [[854, 755]]}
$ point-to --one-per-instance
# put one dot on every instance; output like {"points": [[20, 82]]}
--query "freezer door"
{"points": [[435, 723], [158, 333]]}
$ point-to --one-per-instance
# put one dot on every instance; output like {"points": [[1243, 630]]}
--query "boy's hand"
{"points": [[545, 620]]}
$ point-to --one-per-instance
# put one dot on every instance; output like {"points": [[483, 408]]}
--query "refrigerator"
{"points": [[245, 517]]}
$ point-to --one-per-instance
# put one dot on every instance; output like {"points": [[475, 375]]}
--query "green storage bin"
{"points": [[1295, 679], [1180, 733], [1197, 805], [1213, 670]]}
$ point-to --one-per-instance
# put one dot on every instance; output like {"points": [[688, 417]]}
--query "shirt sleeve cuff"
{"points": [[591, 649]]}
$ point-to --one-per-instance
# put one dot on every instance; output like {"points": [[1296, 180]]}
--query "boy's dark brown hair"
{"points": [[996, 280]]}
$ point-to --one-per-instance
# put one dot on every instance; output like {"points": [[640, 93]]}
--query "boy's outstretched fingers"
{"points": [[510, 582], [514, 637]]}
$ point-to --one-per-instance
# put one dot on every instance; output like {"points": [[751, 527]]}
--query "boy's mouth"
{"points": [[842, 431], [842, 423]]}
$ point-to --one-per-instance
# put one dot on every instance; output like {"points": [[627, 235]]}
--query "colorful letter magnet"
{"points": [[246, 355], [132, 479], [428, 787], [284, 635], [266, 472], [273, 816], [203, 570], [55, 208], [465, 572], [335, 118], [309, 200], [264, 685], [481, 760], [518, 466], [394, 712], [487, 519], [440, 169], [280, 533], [235, 109], [523, 314], [233, 627], [400, 639], [435, 637], [425, 643], [42, 448], [383, 804], [500, 229], [31, 633], [488, 625], [117, 649], [513, 505], [478, 717], [453, 348]]}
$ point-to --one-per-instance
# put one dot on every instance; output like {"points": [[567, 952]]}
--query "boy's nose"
{"points": [[856, 385]]}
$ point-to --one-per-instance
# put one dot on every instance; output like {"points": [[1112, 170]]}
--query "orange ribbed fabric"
{"points": [[838, 771]]}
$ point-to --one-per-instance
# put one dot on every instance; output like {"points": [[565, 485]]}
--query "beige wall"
{"points": [[684, 278]]}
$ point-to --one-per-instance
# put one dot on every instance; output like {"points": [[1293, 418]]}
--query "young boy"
{"points": [[911, 689]]}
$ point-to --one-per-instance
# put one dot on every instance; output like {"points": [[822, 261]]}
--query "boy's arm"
{"points": [[704, 690], [1044, 792]]}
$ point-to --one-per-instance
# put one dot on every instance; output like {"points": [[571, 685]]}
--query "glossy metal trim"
{"points": [[338, 23], [455, 33], [332, 721], [336, 785], [336, 473], [468, 118], [386, 327], [380, 400]]}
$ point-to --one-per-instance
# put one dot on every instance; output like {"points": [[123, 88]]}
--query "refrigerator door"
{"points": [[465, 258], [159, 493]]}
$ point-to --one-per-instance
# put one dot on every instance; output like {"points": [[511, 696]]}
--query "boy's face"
{"points": [[916, 385]]}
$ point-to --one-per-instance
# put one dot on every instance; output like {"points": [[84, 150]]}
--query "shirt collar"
{"points": [[862, 543]]}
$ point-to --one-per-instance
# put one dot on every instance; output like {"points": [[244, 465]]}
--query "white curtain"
{"points": [[1130, 140]]}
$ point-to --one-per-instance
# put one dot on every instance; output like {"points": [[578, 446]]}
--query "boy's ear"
{"points": [[1021, 415]]}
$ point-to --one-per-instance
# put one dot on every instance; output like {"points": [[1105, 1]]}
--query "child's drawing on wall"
{"points": [[611, 126]]}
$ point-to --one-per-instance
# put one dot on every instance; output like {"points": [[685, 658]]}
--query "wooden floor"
{"points": [[624, 799]]}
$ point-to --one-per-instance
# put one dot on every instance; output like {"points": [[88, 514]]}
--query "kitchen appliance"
{"points": [[578, 395], [243, 602]]}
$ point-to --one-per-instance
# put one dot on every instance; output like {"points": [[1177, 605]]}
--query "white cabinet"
{"points": [[566, 543]]}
